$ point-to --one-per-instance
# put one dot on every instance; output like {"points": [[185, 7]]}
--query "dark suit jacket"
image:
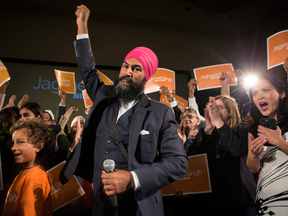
{"points": [[162, 144], [232, 183]]}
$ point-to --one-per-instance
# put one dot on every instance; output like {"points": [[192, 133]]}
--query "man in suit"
{"points": [[155, 155]]}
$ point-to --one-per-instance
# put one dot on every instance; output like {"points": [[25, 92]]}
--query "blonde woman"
{"points": [[224, 140]]}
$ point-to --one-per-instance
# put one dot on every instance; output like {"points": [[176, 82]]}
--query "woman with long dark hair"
{"points": [[268, 148]]}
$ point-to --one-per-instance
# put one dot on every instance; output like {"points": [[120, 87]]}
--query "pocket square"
{"points": [[144, 132]]}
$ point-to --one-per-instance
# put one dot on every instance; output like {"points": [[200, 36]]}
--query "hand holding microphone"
{"points": [[109, 166], [115, 182]]}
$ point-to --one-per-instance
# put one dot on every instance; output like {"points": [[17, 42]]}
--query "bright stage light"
{"points": [[250, 80]]}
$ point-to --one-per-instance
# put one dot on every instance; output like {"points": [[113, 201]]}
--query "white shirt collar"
{"points": [[124, 107]]}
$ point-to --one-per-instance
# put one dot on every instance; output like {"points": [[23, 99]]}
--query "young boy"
{"points": [[30, 192]]}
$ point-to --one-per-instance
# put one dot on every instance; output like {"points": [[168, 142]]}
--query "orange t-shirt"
{"points": [[29, 194]]}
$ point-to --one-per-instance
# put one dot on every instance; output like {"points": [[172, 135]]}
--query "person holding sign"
{"points": [[192, 99], [239, 93], [124, 125], [224, 140], [30, 192], [173, 103], [268, 144]]}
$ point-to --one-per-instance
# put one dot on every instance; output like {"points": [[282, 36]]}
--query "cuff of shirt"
{"points": [[62, 104], [82, 36], [173, 103], [136, 181], [192, 100]]}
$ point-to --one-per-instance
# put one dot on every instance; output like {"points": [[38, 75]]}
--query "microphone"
{"points": [[109, 166]]}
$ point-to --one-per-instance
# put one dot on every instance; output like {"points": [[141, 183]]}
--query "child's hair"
{"points": [[36, 131]]}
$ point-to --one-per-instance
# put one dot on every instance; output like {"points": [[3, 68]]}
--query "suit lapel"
{"points": [[136, 126]]}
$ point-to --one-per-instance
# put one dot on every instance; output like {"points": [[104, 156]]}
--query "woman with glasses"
{"points": [[224, 140], [268, 148]]}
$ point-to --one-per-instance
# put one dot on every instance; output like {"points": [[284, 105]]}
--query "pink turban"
{"points": [[147, 58]]}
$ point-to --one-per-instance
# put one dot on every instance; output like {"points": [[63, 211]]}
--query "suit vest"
{"points": [[106, 146]]}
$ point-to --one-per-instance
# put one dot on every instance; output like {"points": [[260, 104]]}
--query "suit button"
{"points": [[111, 131], [108, 141], [106, 151]]}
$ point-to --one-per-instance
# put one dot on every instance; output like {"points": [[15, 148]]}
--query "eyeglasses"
{"points": [[221, 107], [189, 116]]}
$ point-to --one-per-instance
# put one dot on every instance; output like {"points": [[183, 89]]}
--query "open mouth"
{"points": [[17, 155], [263, 105]]}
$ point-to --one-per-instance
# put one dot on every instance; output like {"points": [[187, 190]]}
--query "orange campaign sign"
{"points": [[195, 181], [277, 49], [63, 194], [66, 81], [87, 101], [208, 77], [105, 79], [162, 77], [182, 103], [4, 75]]}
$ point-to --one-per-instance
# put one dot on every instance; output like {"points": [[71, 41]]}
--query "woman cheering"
{"points": [[224, 140], [268, 148]]}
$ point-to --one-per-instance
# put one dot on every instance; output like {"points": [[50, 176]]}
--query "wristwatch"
{"points": [[173, 99]]}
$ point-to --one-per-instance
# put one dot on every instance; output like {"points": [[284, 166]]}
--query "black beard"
{"points": [[127, 93]]}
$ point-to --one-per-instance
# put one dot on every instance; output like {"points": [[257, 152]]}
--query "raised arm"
{"points": [[224, 80], [64, 118], [3, 93], [173, 102], [192, 99], [82, 14], [192, 87], [165, 90], [11, 102], [61, 108], [85, 58], [23, 100]]}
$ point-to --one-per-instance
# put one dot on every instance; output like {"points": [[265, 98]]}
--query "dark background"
{"points": [[36, 38]]}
